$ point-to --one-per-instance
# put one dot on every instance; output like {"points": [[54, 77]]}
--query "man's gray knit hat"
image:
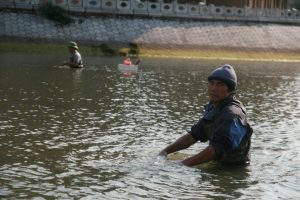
{"points": [[226, 74]]}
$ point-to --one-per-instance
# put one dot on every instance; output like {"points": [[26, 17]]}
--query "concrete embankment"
{"points": [[154, 33]]}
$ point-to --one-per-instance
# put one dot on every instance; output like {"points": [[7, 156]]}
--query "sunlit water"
{"points": [[95, 133]]}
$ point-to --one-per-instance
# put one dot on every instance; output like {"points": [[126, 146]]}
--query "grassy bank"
{"points": [[26, 47], [225, 54], [103, 49]]}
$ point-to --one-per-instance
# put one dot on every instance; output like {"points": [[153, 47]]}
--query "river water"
{"points": [[95, 133]]}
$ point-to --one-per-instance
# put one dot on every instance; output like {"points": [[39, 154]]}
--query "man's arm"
{"points": [[206, 155], [75, 61], [74, 65], [181, 143], [71, 64]]}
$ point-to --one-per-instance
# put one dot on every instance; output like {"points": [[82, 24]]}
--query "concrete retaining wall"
{"points": [[154, 32], [163, 9]]}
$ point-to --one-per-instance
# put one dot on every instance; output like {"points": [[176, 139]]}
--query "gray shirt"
{"points": [[76, 58]]}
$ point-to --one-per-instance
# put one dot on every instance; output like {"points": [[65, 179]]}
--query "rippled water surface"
{"points": [[95, 133]]}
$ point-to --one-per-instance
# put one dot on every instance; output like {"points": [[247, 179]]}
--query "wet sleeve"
{"points": [[220, 140], [197, 131]]}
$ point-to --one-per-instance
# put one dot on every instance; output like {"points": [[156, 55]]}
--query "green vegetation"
{"points": [[222, 54], [55, 13], [134, 49], [93, 50], [104, 50], [25, 47]]}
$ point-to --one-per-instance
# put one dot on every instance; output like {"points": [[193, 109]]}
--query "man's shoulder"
{"points": [[233, 104], [233, 109]]}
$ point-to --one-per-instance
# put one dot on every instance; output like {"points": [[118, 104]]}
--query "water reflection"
{"points": [[94, 133]]}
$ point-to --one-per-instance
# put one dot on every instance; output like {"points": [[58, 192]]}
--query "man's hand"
{"points": [[163, 154]]}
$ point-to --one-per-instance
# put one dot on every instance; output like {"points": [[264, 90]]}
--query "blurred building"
{"points": [[262, 4]]}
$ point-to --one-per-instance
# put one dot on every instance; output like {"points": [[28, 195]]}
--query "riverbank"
{"points": [[87, 50], [23, 32]]}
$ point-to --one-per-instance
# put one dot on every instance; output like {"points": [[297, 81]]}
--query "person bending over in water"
{"points": [[224, 124]]}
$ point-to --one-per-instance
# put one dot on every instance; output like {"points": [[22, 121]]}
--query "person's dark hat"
{"points": [[226, 74]]}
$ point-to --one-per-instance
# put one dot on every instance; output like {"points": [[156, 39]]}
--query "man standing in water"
{"points": [[75, 58], [224, 124]]}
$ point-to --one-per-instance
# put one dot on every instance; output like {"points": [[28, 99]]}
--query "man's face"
{"points": [[217, 91]]}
